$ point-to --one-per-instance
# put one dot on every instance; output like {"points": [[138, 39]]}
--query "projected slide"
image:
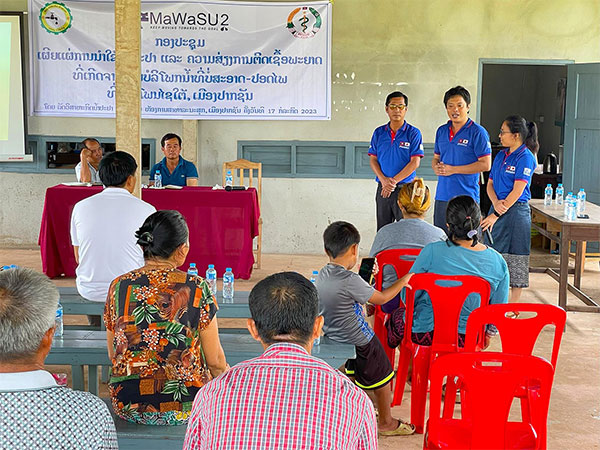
{"points": [[12, 119]]}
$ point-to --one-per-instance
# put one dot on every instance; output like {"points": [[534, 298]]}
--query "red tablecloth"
{"points": [[222, 225]]}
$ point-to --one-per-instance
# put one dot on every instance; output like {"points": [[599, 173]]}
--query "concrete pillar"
{"points": [[190, 141], [128, 82]]}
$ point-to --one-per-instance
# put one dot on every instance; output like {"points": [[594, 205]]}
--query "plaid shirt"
{"points": [[284, 399]]}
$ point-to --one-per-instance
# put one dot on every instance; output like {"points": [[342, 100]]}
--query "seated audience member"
{"points": [[411, 231], [162, 332], [103, 228], [462, 254], [342, 296], [35, 412], [285, 398], [91, 154], [173, 168]]}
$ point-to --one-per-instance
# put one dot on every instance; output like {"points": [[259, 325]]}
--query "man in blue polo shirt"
{"points": [[394, 155], [462, 152], [173, 168]]}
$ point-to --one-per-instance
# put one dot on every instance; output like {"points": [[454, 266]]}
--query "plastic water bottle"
{"points": [[548, 195], [192, 270], [58, 321], [211, 278], [581, 201], [314, 276], [567, 202], [572, 209], [228, 289], [158, 179], [229, 179], [560, 193]]}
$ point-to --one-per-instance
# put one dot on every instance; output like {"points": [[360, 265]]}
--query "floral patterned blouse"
{"points": [[158, 367]]}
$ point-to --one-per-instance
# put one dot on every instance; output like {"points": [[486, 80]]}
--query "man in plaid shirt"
{"points": [[284, 399]]}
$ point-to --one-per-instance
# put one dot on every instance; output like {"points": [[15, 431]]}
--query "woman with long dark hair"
{"points": [[509, 219]]}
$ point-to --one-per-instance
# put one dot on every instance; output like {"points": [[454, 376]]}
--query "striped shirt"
{"points": [[284, 399]]}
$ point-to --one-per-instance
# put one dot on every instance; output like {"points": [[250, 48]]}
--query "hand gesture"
{"points": [[500, 206], [488, 222], [85, 155]]}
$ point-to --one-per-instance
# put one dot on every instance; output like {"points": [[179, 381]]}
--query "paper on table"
{"points": [[172, 186], [76, 183]]}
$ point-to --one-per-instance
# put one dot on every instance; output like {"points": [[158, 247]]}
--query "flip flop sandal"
{"points": [[512, 314], [404, 429]]}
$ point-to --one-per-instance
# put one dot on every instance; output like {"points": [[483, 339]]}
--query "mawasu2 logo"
{"points": [[182, 18], [304, 22], [55, 18]]}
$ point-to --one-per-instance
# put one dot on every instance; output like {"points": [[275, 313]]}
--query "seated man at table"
{"points": [[91, 154], [173, 168], [103, 228], [285, 398], [35, 412]]}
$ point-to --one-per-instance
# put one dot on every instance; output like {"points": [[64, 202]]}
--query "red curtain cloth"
{"points": [[222, 226]]}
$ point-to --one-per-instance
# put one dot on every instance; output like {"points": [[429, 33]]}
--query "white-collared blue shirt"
{"points": [[184, 170], [510, 167]]}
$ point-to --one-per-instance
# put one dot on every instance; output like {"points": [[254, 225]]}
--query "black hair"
{"points": [[458, 90], [463, 217], [168, 136], [162, 233], [115, 168], [396, 94], [339, 237], [526, 130], [84, 143], [284, 307]]}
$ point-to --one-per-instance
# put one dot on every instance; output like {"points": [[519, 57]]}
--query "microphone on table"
{"points": [[235, 188]]}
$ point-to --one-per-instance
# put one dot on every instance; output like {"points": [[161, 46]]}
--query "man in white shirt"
{"points": [[90, 156], [35, 412], [103, 228]]}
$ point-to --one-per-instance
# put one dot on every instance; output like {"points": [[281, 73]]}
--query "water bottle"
{"points": [[158, 179], [211, 279], [314, 276], [567, 202], [317, 341], [560, 193], [229, 179], [58, 321], [548, 195], [581, 202], [192, 270], [228, 286], [572, 209]]}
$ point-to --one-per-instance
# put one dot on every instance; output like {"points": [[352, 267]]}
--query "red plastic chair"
{"points": [[447, 303], [518, 336], [394, 258], [492, 379]]}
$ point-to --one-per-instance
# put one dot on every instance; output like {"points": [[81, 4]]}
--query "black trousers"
{"points": [[388, 210]]}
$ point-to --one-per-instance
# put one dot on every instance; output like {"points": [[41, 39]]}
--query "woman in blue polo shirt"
{"points": [[462, 152], [509, 219]]}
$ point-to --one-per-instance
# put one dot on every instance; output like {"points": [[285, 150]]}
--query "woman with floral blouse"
{"points": [[162, 331]]}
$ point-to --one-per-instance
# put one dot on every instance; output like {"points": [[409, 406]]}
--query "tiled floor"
{"points": [[574, 419]]}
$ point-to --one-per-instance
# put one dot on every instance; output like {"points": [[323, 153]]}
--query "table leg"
{"points": [[93, 379], [77, 374], [565, 244], [580, 248]]}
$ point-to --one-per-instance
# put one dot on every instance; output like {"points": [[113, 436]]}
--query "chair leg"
{"points": [[420, 380], [259, 246], [401, 374]]}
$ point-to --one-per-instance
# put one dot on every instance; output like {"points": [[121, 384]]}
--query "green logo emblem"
{"points": [[304, 22], [55, 18]]}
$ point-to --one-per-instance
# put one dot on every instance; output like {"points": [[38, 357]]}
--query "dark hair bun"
{"points": [[144, 238], [161, 234]]}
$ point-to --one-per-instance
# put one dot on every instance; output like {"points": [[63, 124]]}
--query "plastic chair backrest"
{"points": [[491, 380], [447, 303], [393, 257], [518, 335]]}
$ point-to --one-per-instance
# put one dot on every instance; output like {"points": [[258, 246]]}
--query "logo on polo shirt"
{"points": [[463, 141], [526, 171], [404, 144], [511, 169]]}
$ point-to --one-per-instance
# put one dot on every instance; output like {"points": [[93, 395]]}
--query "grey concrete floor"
{"points": [[574, 418]]}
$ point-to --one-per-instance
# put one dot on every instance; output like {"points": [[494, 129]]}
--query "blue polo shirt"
{"points": [[510, 167], [468, 145], [184, 170], [394, 155]]}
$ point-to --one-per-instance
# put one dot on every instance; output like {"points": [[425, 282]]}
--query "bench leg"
{"points": [[104, 374], [77, 374], [93, 379]]}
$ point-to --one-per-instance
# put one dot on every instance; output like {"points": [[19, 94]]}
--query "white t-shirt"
{"points": [[95, 174], [103, 226]]}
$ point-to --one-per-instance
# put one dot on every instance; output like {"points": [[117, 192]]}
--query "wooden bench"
{"points": [[132, 436], [80, 348]]}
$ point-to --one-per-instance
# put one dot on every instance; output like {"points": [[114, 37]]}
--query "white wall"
{"points": [[421, 48]]}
